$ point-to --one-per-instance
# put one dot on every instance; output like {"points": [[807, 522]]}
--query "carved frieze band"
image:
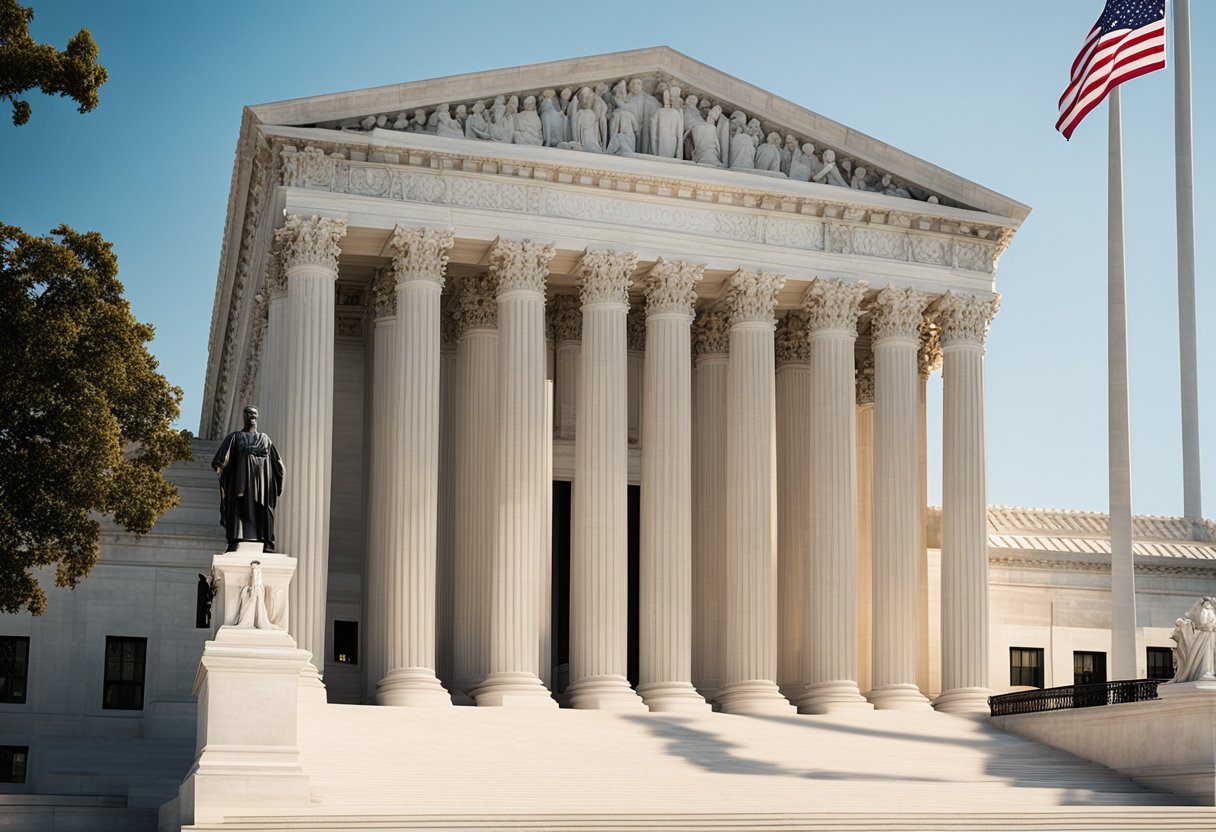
{"points": [[475, 304], [711, 332], [310, 241], [751, 296], [793, 345], [671, 287], [605, 276], [897, 312], [565, 317], [965, 318], [421, 253], [521, 264], [833, 304]]}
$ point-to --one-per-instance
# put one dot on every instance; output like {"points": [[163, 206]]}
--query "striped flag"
{"points": [[1128, 40]]}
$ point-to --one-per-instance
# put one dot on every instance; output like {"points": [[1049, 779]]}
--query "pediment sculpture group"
{"points": [[626, 119], [1194, 639]]}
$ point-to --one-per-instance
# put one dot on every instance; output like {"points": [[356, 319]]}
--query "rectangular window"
{"points": [[13, 763], [1026, 666], [14, 668], [1088, 668], [124, 687], [1160, 663], [346, 642]]}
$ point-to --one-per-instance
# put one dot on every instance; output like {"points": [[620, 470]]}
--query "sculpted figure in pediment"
{"points": [[552, 119], [768, 155], [629, 96], [587, 122], [829, 174], [418, 122], [432, 123], [802, 163], [692, 115], [787, 153], [703, 136], [858, 182], [502, 119], [891, 189], [528, 128], [477, 126], [743, 143], [667, 127], [622, 124], [445, 125]]}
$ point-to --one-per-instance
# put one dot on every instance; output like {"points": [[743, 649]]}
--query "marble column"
{"points": [[832, 308], [928, 631], [793, 352], [476, 312], [309, 248], [665, 661], [445, 546], [750, 670], [710, 340], [274, 358], [420, 257], [599, 517], [964, 322], [380, 526], [565, 319], [895, 320], [521, 494], [864, 360], [635, 340]]}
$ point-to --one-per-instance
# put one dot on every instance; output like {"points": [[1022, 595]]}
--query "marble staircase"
{"points": [[489, 768]]}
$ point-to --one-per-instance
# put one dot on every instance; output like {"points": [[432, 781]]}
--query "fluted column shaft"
{"points": [[599, 522], [476, 444], [793, 496], [274, 357], [410, 679], [381, 528], [665, 557], [832, 309], [896, 317], [566, 326], [750, 670], [711, 336], [521, 492], [309, 246], [964, 321]]}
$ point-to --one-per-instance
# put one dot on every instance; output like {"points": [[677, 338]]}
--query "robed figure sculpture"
{"points": [[251, 480]]}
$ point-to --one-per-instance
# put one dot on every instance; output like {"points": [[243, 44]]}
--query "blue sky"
{"points": [[971, 86]]}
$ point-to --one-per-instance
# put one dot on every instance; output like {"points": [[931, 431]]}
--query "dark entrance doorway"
{"points": [[562, 492]]}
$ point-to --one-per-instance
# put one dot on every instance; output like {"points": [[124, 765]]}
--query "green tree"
{"points": [[26, 64], [85, 418]]}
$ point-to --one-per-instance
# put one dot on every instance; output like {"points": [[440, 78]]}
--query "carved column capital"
{"points": [[865, 378], [384, 294], [897, 312], [521, 264], [833, 304], [671, 287], [752, 296], [793, 346], [711, 332], [475, 304], [605, 276], [310, 241], [421, 253], [929, 356], [635, 329], [565, 319], [965, 318]]}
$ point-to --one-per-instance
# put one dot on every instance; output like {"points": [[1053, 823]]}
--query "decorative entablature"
{"points": [[765, 216]]}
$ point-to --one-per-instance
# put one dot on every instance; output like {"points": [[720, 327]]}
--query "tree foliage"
{"points": [[26, 64], [85, 418]]}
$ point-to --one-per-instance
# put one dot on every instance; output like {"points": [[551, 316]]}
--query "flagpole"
{"points": [[1184, 190], [1122, 570]]}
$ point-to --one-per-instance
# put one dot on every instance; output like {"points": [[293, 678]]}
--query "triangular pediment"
{"points": [[415, 107]]}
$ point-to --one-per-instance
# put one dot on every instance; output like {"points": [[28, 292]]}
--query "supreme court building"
{"points": [[600, 383]]}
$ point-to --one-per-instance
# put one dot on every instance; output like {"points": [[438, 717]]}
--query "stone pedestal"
{"points": [[247, 687]]}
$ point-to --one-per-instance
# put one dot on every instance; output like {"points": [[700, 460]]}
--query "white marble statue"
{"points": [[768, 155], [1194, 639], [432, 123], [891, 189], [259, 608], [418, 122], [528, 127], [629, 96], [623, 125], [742, 145], [829, 174], [587, 122], [787, 153], [552, 119], [802, 163], [477, 126], [502, 121], [667, 127], [462, 115], [858, 182], [692, 115], [703, 136], [445, 125]]}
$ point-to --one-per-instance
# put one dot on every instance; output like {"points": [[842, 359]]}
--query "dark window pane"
{"points": [[346, 642], [1088, 668], [13, 763], [14, 664], [1160, 663], [124, 682], [1026, 666]]}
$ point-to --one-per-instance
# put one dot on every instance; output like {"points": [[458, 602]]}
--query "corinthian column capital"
{"points": [[605, 276], [475, 305], [929, 356], [671, 287], [711, 333], [310, 241], [521, 264], [792, 344], [965, 318], [565, 319], [421, 253], [833, 304], [384, 294], [898, 312], [752, 296]]}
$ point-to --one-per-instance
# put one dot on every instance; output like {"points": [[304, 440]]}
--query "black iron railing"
{"points": [[1073, 696]]}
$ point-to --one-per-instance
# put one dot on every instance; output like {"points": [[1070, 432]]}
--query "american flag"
{"points": [[1128, 40]]}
